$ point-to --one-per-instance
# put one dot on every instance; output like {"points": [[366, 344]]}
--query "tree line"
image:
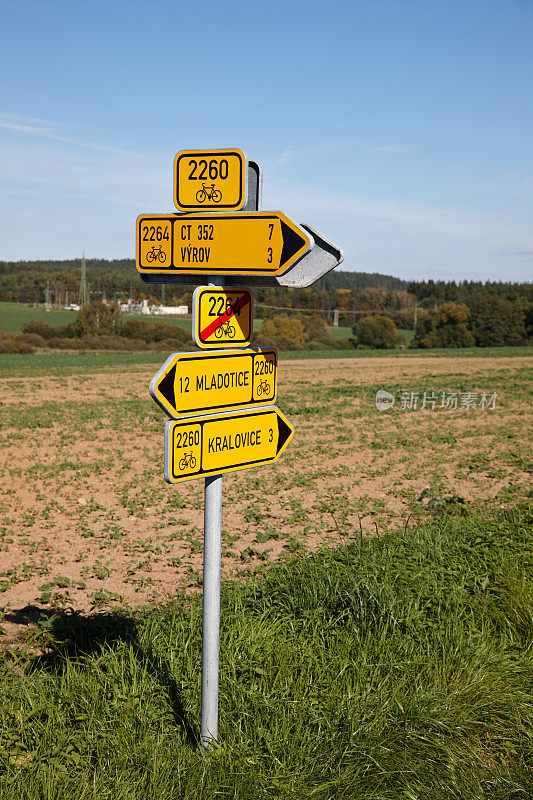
{"points": [[376, 307]]}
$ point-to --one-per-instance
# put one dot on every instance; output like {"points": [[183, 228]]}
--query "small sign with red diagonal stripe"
{"points": [[222, 317]]}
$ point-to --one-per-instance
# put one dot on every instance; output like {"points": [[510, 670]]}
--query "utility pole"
{"points": [[47, 295], [83, 296]]}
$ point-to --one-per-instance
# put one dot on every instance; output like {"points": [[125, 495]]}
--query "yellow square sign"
{"points": [[222, 317], [210, 179], [154, 242]]}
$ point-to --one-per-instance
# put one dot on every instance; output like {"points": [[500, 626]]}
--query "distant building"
{"points": [[153, 310], [170, 310]]}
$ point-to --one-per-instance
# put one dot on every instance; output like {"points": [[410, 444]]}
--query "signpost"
{"points": [[211, 445], [189, 384], [257, 243], [221, 400], [222, 317], [210, 179]]}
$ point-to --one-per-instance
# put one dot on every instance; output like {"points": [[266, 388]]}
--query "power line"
{"points": [[299, 310], [342, 311]]}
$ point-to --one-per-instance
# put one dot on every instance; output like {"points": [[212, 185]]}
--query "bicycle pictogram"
{"points": [[208, 193], [225, 328], [188, 460], [263, 387], [156, 254]]}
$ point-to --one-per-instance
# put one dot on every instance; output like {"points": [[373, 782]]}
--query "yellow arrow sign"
{"points": [[222, 317], [196, 383], [210, 179], [195, 448], [255, 243]]}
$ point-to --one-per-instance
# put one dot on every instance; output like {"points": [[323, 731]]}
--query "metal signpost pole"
{"points": [[211, 600], [224, 235], [211, 608]]}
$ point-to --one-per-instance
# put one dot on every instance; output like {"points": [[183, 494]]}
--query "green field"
{"points": [[393, 667], [14, 315], [68, 363], [341, 332]]}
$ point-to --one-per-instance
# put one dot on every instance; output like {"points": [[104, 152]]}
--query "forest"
{"points": [[376, 307]]}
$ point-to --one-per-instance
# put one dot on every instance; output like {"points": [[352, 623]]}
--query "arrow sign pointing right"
{"points": [[240, 243], [210, 445], [324, 257], [318, 261]]}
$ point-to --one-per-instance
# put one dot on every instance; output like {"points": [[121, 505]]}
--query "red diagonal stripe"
{"points": [[211, 328]]}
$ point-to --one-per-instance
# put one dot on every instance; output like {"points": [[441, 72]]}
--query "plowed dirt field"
{"points": [[86, 520]]}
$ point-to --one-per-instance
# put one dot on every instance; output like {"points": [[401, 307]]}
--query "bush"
{"points": [[404, 319], [286, 333], [314, 345], [154, 331], [342, 344], [10, 343], [283, 326], [316, 329], [377, 332], [33, 339], [100, 327], [98, 318], [444, 327], [299, 332], [39, 328]]}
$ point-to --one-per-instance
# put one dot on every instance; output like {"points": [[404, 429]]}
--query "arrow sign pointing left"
{"points": [[240, 243], [196, 383], [195, 448]]}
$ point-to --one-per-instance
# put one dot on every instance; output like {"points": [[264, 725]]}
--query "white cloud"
{"points": [[51, 175], [37, 167], [52, 130], [328, 149], [348, 206]]}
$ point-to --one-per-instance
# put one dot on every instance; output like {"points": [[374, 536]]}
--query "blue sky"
{"points": [[400, 129]]}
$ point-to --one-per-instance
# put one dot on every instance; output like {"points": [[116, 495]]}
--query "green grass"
{"points": [[343, 332], [14, 315], [393, 667], [70, 364], [467, 352], [408, 333], [340, 332], [67, 364]]}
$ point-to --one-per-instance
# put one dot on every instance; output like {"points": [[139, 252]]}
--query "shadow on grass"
{"points": [[70, 635]]}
